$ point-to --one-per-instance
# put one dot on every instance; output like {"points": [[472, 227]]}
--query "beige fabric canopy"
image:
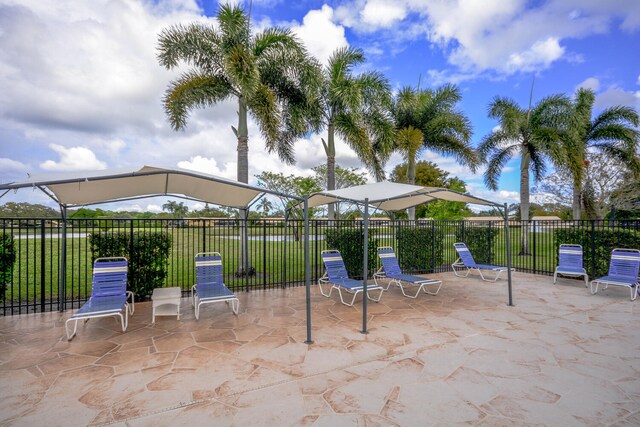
{"points": [[86, 188], [393, 196]]}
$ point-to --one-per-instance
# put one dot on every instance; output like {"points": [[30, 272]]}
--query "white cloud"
{"points": [[540, 55], [73, 159], [154, 208], [615, 95], [319, 34], [589, 83], [10, 165], [210, 166], [382, 14]]}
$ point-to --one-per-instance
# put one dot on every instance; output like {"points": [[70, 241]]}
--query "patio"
{"points": [[559, 357]]}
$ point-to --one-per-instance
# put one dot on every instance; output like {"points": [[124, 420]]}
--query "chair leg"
{"points": [[555, 276], [379, 296], [133, 302], [424, 288], [453, 266], [634, 292], [75, 328], [421, 287], [593, 292], [322, 291], [197, 308], [235, 305], [586, 280]]}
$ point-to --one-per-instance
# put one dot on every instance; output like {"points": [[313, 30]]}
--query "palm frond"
{"points": [[496, 164], [195, 44], [234, 24], [193, 90]]}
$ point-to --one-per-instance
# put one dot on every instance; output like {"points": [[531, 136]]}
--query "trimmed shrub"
{"points": [[148, 256], [416, 249], [350, 242], [479, 240], [596, 258], [7, 258]]}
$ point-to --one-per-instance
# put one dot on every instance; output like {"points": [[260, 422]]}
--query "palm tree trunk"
{"points": [[577, 202], [411, 179], [243, 176], [524, 202], [331, 166]]}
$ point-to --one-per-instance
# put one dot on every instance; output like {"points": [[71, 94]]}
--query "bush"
{"points": [[479, 240], [7, 258], [148, 257], [604, 241], [350, 243], [416, 250]]}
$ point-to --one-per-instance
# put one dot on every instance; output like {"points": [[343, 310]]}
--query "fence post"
{"points": [[264, 254], [131, 261], [593, 247], [42, 264], [463, 236], [315, 278], [204, 236], [535, 264], [433, 245]]}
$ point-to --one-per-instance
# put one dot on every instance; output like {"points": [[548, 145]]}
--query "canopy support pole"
{"points": [[365, 266], [245, 246], [307, 269], [62, 278], [508, 244]]}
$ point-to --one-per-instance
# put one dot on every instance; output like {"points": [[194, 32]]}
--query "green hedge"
{"points": [[416, 250], [350, 243], [7, 258], [479, 240], [604, 241], [148, 257]]}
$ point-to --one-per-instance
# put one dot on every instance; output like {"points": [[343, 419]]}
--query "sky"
{"points": [[81, 87]]}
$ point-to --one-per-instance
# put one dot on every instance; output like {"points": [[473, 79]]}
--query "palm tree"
{"points": [[266, 205], [356, 108], [428, 119], [265, 73], [613, 133], [533, 134]]}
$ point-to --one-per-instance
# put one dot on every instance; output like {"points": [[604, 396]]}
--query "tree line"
{"points": [[290, 94]]}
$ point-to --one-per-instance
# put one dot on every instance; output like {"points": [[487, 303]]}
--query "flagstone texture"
{"points": [[559, 357]]}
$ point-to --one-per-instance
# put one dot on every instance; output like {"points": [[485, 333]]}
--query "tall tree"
{"points": [[613, 133], [178, 210], [533, 134], [428, 119], [344, 177], [267, 73], [428, 174], [355, 108]]}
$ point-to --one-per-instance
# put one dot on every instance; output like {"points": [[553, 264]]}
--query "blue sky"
{"points": [[82, 88]]}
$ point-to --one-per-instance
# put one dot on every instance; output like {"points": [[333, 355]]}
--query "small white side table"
{"points": [[166, 302]]}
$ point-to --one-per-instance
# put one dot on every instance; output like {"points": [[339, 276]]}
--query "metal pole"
{"points": [[62, 281], [365, 266], [245, 247], [307, 269], [508, 244]]}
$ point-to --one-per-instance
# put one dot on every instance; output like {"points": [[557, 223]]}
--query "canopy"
{"points": [[393, 196], [86, 188]]}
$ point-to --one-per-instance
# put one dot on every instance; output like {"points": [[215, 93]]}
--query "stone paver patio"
{"points": [[560, 357]]}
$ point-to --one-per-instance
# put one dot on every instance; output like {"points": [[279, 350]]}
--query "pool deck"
{"points": [[559, 357]]}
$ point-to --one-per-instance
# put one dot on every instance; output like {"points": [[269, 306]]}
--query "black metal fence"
{"points": [[276, 253]]}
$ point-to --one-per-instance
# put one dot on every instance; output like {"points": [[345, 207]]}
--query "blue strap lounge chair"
{"points": [[623, 271], [336, 275], [466, 261], [210, 285], [571, 263], [109, 294], [391, 270]]}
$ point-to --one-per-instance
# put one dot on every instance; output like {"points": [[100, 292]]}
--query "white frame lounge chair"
{"points": [[210, 285], [466, 261], [571, 263], [109, 294], [623, 271], [391, 270], [336, 275]]}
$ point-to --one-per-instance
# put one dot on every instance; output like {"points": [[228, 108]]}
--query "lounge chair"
{"points": [[210, 285], [391, 270], [571, 263], [336, 275], [466, 261], [109, 294], [623, 271]]}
